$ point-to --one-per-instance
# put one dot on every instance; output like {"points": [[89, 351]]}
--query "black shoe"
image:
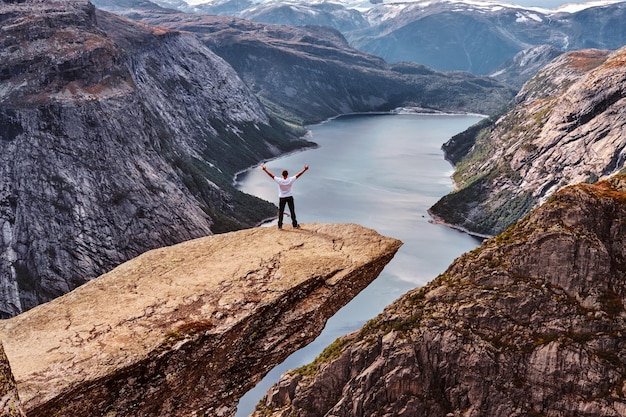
{"points": [[280, 227], [297, 226]]}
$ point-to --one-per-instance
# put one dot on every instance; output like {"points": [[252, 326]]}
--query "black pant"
{"points": [[281, 211]]}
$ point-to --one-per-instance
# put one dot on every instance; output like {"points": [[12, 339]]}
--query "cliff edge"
{"points": [[188, 329], [532, 323]]}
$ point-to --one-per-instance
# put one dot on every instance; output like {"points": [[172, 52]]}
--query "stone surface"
{"points": [[187, 329], [532, 323]]}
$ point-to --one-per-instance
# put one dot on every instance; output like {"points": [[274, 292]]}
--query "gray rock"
{"points": [[567, 127]]}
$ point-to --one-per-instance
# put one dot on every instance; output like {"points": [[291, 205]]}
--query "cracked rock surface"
{"points": [[189, 328]]}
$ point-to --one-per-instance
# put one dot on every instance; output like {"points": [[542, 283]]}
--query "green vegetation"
{"points": [[330, 353]]}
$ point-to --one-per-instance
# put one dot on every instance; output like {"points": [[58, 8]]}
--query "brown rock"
{"points": [[532, 323], [189, 328]]}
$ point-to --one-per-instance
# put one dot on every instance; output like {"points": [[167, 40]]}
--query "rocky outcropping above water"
{"points": [[533, 322], [568, 126], [188, 329]]}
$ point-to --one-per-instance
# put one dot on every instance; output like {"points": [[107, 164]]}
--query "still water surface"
{"points": [[383, 172]]}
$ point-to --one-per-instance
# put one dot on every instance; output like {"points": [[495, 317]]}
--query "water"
{"points": [[382, 172]]}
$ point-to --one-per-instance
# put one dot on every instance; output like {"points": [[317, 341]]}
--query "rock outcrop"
{"points": [[115, 138], [533, 322], [568, 126], [525, 64], [188, 329]]}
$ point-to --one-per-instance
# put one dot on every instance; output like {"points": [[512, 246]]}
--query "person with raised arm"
{"points": [[285, 194]]}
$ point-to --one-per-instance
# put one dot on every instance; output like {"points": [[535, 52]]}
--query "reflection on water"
{"points": [[382, 172]]}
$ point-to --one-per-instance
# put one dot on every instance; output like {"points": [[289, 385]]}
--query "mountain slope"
{"points": [[456, 35], [531, 323], [116, 138], [568, 127], [309, 74]]}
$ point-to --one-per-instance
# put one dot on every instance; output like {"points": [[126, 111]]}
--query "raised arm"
{"points": [[266, 171], [306, 167]]}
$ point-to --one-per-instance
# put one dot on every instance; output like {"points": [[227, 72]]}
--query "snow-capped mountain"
{"points": [[364, 5], [466, 35]]}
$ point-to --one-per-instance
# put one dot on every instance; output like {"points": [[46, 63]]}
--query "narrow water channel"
{"points": [[383, 172]]}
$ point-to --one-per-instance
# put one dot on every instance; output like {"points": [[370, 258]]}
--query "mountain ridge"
{"points": [[478, 37], [565, 127], [308, 74]]}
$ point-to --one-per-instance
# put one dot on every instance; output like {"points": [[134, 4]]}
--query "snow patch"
{"points": [[479, 5]]}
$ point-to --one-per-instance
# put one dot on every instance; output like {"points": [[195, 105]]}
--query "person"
{"points": [[285, 195]]}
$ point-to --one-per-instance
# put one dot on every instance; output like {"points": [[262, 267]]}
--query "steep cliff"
{"points": [[188, 329], [533, 322], [308, 74], [115, 138], [568, 126]]}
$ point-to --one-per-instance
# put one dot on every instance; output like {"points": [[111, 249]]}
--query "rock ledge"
{"points": [[188, 329]]}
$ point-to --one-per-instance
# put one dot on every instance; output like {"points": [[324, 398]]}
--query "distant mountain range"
{"points": [[478, 37], [307, 74]]}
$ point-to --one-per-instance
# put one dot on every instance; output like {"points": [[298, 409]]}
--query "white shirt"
{"points": [[284, 186]]}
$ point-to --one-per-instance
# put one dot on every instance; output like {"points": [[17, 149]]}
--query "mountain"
{"points": [[308, 74], [115, 138], [186, 330], [322, 14], [449, 35], [479, 37], [525, 64], [568, 126], [531, 323]]}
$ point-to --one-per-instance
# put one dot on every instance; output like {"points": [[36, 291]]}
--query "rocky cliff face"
{"points": [[309, 74], [188, 329], [568, 127], [115, 138], [533, 322]]}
